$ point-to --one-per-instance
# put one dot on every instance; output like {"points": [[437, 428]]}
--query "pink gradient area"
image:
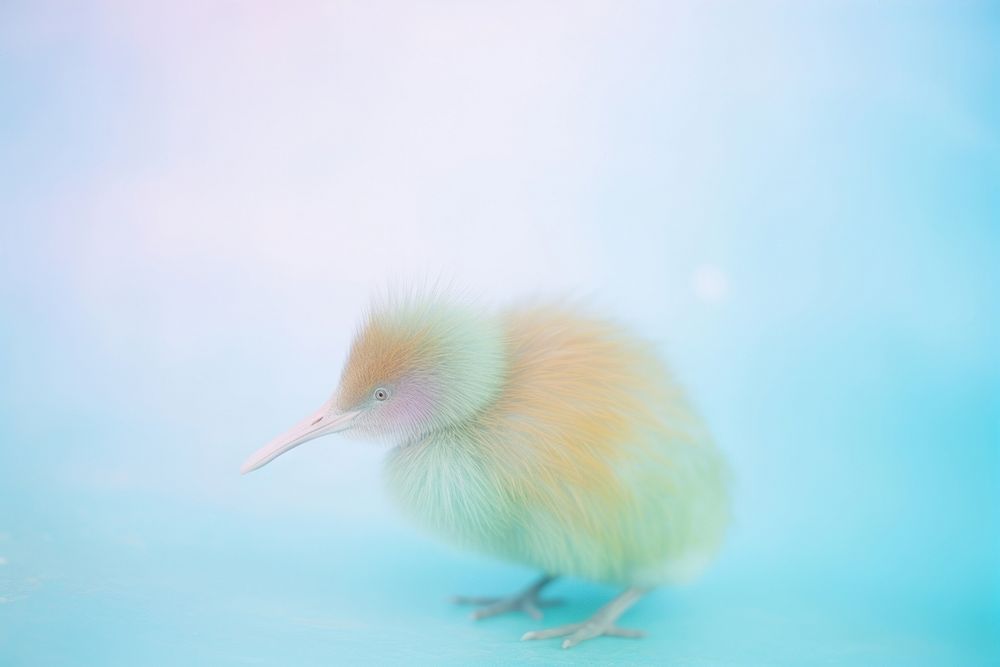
{"points": [[412, 407]]}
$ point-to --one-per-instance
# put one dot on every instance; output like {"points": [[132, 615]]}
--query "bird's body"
{"points": [[536, 434], [587, 462]]}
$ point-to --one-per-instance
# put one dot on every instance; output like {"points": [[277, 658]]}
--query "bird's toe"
{"points": [[526, 601], [549, 633], [495, 609], [585, 632], [591, 630], [576, 633], [628, 633]]}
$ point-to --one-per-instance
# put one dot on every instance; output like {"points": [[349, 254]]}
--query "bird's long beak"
{"points": [[323, 421]]}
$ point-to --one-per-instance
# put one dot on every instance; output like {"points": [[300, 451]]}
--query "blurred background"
{"points": [[798, 201]]}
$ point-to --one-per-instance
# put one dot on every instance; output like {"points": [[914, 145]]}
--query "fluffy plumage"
{"points": [[541, 435]]}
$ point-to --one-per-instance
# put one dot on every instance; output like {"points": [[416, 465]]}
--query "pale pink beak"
{"points": [[323, 421]]}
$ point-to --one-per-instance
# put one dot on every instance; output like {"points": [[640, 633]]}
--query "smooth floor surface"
{"points": [[178, 586]]}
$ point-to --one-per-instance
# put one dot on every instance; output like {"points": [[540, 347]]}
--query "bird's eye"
{"points": [[381, 394]]}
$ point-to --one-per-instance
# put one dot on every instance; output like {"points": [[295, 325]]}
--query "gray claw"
{"points": [[527, 601], [600, 624]]}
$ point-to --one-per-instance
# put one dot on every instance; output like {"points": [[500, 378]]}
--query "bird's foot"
{"points": [[526, 601], [579, 632], [601, 624]]}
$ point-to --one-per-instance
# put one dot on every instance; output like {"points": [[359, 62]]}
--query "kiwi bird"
{"points": [[539, 434]]}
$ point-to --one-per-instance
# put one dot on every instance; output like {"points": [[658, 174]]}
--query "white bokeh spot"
{"points": [[710, 283]]}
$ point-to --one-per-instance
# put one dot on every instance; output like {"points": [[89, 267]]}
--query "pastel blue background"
{"points": [[800, 201]]}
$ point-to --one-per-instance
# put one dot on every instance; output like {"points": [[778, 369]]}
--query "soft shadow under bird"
{"points": [[538, 434]]}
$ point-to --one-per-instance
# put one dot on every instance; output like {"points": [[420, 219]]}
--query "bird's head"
{"points": [[416, 365]]}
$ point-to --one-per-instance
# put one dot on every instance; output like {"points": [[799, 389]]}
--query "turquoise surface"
{"points": [[798, 202]]}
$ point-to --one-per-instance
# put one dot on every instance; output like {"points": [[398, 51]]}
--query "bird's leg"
{"points": [[526, 601], [601, 623]]}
